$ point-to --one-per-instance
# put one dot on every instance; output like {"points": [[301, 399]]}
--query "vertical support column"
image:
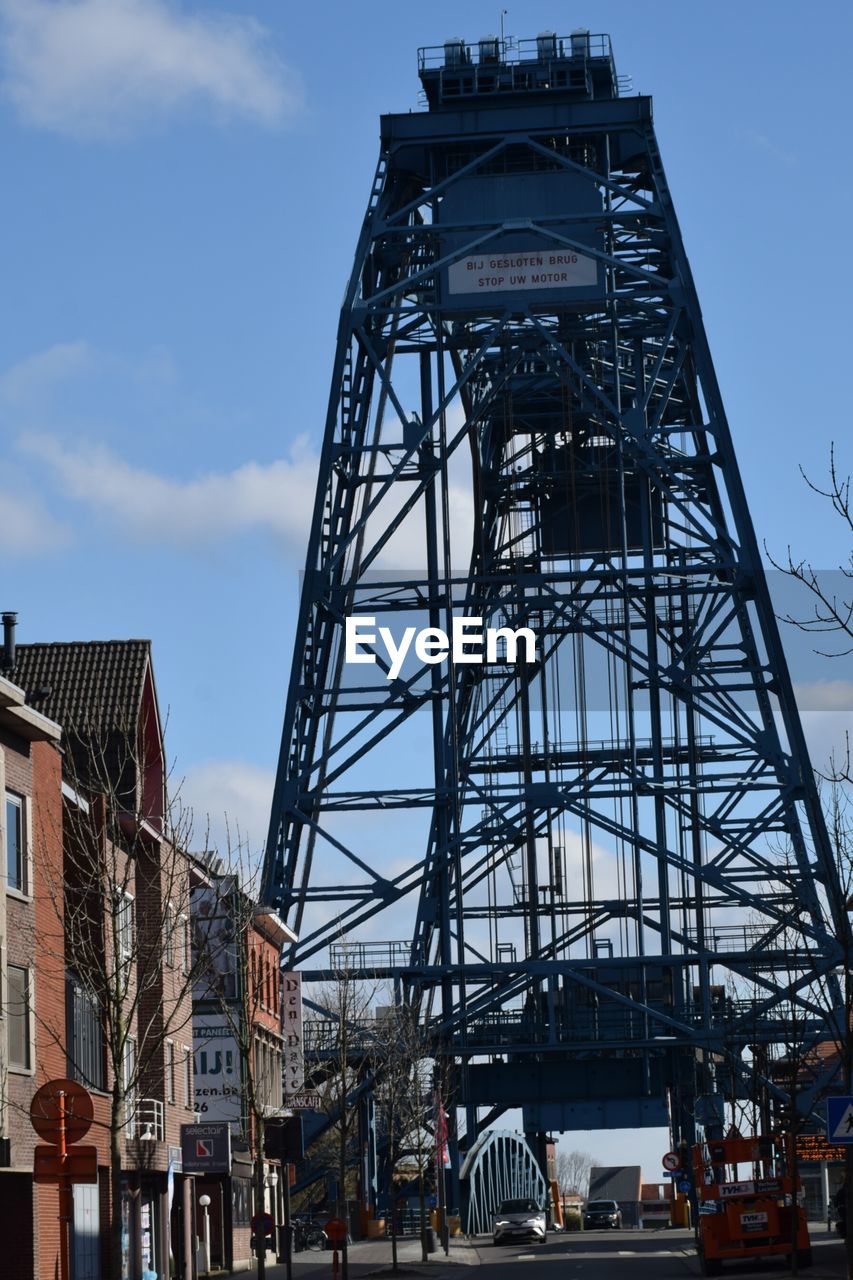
{"points": [[444, 800], [188, 1226], [65, 1195]]}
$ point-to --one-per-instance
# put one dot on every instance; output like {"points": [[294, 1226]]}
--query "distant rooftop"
{"points": [[615, 1182], [578, 65]]}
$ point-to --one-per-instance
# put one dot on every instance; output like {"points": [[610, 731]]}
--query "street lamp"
{"points": [[204, 1201], [272, 1181]]}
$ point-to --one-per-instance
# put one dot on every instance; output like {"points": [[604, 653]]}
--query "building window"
{"points": [[19, 1017], [128, 1080], [241, 1201], [184, 943], [170, 1071], [85, 1039], [124, 925], [268, 1076], [169, 934], [189, 1099], [16, 852]]}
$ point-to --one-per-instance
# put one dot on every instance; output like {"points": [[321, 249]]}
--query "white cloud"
{"points": [[40, 373], [26, 528], [824, 695], [826, 712], [99, 68], [230, 802], [761, 142], [276, 498]]}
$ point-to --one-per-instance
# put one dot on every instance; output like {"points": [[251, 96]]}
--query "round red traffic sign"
{"points": [[336, 1230], [671, 1161], [62, 1097], [264, 1220]]}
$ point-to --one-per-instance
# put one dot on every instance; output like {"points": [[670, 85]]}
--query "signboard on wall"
{"points": [[206, 1148], [504, 258], [217, 1077], [214, 943], [510, 272], [292, 1029]]}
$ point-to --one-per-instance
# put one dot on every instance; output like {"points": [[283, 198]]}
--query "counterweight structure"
{"points": [[594, 870]]}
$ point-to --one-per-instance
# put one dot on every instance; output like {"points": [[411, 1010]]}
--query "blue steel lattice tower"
{"points": [[595, 870]]}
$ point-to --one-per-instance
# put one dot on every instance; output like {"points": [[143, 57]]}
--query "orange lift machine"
{"points": [[746, 1199]]}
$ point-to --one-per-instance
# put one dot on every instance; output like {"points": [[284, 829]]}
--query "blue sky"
{"points": [[183, 185]]}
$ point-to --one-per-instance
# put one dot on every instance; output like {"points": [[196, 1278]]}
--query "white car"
{"points": [[519, 1220]]}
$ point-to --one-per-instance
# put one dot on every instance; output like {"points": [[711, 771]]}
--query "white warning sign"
{"points": [[512, 272], [839, 1115]]}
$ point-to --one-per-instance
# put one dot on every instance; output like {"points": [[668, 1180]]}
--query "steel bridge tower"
{"points": [[598, 870]]}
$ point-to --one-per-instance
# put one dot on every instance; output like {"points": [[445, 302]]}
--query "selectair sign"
{"points": [[206, 1148]]}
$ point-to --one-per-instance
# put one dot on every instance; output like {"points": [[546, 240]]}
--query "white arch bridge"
{"points": [[499, 1166]]}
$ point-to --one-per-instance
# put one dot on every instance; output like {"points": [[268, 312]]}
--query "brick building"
{"points": [[122, 896], [32, 1011], [237, 1019]]}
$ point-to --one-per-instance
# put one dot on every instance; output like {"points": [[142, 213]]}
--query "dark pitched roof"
{"points": [[94, 689], [618, 1182], [82, 684]]}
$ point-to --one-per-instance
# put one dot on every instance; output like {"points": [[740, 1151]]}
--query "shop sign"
{"points": [[217, 1081], [292, 1030], [206, 1148]]}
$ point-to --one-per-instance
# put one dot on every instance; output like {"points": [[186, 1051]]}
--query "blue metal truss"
{"points": [[616, 851]]}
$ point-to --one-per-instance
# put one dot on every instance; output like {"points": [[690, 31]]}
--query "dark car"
{"points": [[602, 1213]]}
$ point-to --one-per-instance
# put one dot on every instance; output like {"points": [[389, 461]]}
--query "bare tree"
{"points": [[343, 1042], [404, 1074], [238, 943], [121, 902], [831, 619], [834, 994], [831, 614], [573, 1172]]}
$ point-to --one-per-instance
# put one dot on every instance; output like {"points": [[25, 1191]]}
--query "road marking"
{"points": [[525, 1257]]}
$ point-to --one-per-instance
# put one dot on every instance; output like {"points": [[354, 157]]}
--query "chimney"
{"points": [[9, 622]]}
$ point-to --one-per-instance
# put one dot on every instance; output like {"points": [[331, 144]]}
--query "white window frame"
{"points": [[124, 925], [170, 921], [170, 1071], [189, 1077], [128, 1060], [24, 806], [22, 1068], [185, 943]]}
